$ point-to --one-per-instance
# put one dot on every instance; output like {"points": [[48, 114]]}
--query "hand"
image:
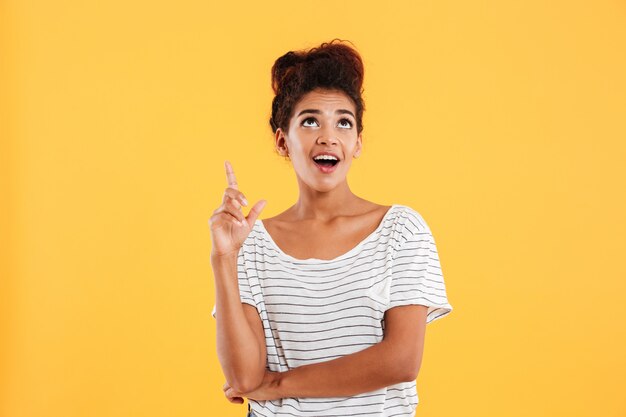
{"points": [[266, 391], [231, 396], [229, 227]]}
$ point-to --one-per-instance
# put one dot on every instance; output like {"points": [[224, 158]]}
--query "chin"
{"points": [[323, 189], [321, 184]]}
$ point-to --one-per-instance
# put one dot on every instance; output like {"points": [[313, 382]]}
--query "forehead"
{"points": [[319, 98]]}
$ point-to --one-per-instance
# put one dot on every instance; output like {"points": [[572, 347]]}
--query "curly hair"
{"points": [[332, 65]]}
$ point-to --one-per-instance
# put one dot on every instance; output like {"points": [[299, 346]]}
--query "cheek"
{"points": [[298, 150]]}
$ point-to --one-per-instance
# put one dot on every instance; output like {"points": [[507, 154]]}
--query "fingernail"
{"points": [[244, 201]]}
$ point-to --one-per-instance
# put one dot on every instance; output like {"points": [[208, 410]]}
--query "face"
{"points": [[323, 121]]}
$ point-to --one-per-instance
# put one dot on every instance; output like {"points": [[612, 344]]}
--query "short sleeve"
{"points": [[416, 277], [245, 294]]}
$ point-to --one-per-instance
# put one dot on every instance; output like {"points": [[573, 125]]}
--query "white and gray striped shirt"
{"points": [[316, 310]]}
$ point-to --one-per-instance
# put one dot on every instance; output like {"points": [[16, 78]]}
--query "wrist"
{"points": [[224, 258]]}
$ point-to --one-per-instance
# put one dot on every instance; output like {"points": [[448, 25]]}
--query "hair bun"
{"points": [[281, 67], [331, 65]]}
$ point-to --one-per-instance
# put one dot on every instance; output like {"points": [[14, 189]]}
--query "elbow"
{"points": [[243, 377], [245, 383], [408, 368], [403, 363], [409, 374]]}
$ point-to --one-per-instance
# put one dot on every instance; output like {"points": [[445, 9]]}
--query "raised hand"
{"points": [[229, 227]]}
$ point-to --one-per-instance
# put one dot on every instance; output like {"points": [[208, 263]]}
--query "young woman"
{"points": [[322, 309]]}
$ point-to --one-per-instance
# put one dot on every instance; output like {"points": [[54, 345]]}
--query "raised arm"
{"points": [[397, 358], [240, 336]]}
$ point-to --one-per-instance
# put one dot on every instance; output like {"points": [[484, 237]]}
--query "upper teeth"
{"points": [[332, 158]]}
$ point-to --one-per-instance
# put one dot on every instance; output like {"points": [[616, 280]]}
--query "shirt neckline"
{"points": [[337, 258]]}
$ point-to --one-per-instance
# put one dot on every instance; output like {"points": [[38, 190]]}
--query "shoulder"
{"points": [[413, 219], [409, 225]]}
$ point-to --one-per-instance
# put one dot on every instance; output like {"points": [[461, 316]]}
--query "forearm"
{"points": [[240, 356], [376, 367], [397, 358]]}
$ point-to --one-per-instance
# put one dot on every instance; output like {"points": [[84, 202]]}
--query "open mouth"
{"points": [[327, 163]]}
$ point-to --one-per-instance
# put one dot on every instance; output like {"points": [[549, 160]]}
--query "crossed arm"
{"points": [[242, 353], [397, 358]]}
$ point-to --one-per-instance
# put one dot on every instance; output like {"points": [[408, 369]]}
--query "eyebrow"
{"points": [[315, 111]]}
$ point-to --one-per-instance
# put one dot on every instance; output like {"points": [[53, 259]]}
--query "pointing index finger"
{"points": [[230, 175]]}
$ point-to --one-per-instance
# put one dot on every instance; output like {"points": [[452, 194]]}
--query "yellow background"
{"points": [[501, 122]]}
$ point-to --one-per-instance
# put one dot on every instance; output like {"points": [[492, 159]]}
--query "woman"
{"points": [[321, 310]]}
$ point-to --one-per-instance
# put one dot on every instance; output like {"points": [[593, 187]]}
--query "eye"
{"points": [[308, 119], [348, 122]]}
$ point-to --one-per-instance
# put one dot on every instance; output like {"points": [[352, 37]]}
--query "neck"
{"points": [[324, 206]]}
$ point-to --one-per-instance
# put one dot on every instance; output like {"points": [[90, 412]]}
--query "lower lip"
{"points": [[327, 170]]}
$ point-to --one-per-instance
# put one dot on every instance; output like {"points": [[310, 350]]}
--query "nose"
{"points": [[326, 137]]}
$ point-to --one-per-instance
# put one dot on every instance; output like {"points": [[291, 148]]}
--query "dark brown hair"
{"points": [[332, 65]]}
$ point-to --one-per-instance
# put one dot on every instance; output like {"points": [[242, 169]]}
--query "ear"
{"points": [[281, 142], [359, 145]]}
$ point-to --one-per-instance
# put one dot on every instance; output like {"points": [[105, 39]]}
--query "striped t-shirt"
{"points": [[316, 310]]}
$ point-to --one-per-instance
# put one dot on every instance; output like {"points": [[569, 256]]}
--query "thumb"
{"points": [[255, 211]]}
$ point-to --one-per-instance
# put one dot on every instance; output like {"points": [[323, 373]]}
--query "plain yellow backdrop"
{"points": [[501, 122]]}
